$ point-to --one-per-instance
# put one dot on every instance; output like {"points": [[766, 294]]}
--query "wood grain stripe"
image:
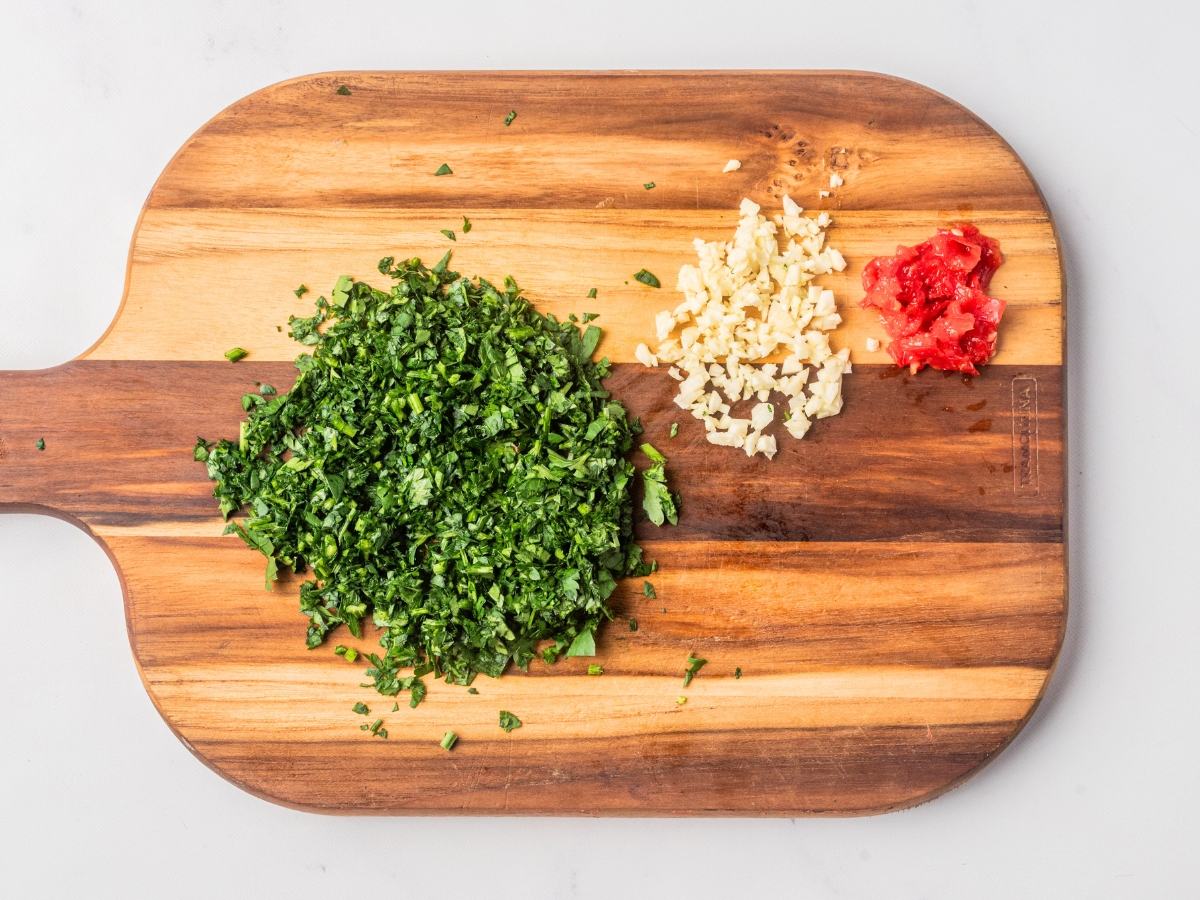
{"points": [[120, 436], [197, 265]]}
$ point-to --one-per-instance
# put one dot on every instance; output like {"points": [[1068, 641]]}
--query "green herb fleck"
{"points": [[681, 700], [633, 624], [362, 709], [737, 673], [587, 317], [649, 185], [472, 690], [351, 654], [449, 740], [674, 429], [595, 670], [450, 234], [659, 503], [695, 664], [583, 645], [647, 278], [344, 91], [648, 590], [266, 390], [339, 650], [235, 354], [508, 120], [382, 732], [396, 707], [508, 721], [301, 291], [443, 169], [376, 725], [592, 294], [40, 443], [467, 226], [417, 691]]}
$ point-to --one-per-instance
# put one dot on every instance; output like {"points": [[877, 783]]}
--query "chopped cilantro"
{"points": [[301, 291], [339, 650], [648, 590], [647, 278], [649, 185], [674, 429], [450, 234], [472, 690], [40, 443], [362, 709], [681, 700], [382, 732], [466, 225], [443, 169], [592, 294], [396, 707], [660, 504], [344, 91], [235, 354], [595, 670], [449, 467], [508, 721], [633, 624], [449, 740], [508, 120], [267, 391], [737, 673], [695, 664]]}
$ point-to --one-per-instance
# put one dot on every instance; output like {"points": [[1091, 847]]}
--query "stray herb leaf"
{"points": [[592, 294], [583, 645], [508, 120], [362, 709], [472, 690], [450, 234], [633, 624], [508, 721], [467, 226], [647, 278], [681, 700], [235, 354], [396, 707], [595, 670], [658, 502], [649, 185], [382, 732], [267, 391], [443, 169], [737, 673], [449, 740], [587, 317], [40, 443], [301, 291], [648, 590], [695, 664], [344, 91], [674, 429]]}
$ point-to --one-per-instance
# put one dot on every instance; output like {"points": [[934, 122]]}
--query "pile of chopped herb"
{"points": [[449, 465]]}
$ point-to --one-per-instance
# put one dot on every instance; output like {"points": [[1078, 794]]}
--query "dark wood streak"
{"points": [[119, 434]]}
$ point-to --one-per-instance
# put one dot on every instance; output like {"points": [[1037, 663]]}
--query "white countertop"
{"points": [[1098, 796]]}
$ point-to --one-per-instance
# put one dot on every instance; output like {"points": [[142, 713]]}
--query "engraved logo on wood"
{"points": [[1025, 436]]}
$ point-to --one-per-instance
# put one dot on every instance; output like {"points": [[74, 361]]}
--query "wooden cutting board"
{"points": [[892, 587]]}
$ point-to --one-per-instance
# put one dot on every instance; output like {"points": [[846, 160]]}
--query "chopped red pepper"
{"points": [[933, 303]]}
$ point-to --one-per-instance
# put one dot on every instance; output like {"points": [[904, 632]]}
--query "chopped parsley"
{"points": [[647, 278], [592, 294], [508, 120], [450, 467], [595, 670], [467, 226], [396, 707], [344, 91], [737, 673], [508, 721], [40, 443], [449, 740], [674, 429], [633, 624], [681, 700], [472, 690], [695, 664], [444, 169], [648, 590], [660, 504], [267, 390], [450, 234], [362, 709], [649, 185], [235, 354], [301, 291]]}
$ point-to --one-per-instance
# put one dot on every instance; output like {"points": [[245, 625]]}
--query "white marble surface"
{"points": [[1096, 798]]}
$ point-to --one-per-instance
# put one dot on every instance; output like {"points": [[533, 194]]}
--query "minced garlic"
{"points": [[746, 300]]}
